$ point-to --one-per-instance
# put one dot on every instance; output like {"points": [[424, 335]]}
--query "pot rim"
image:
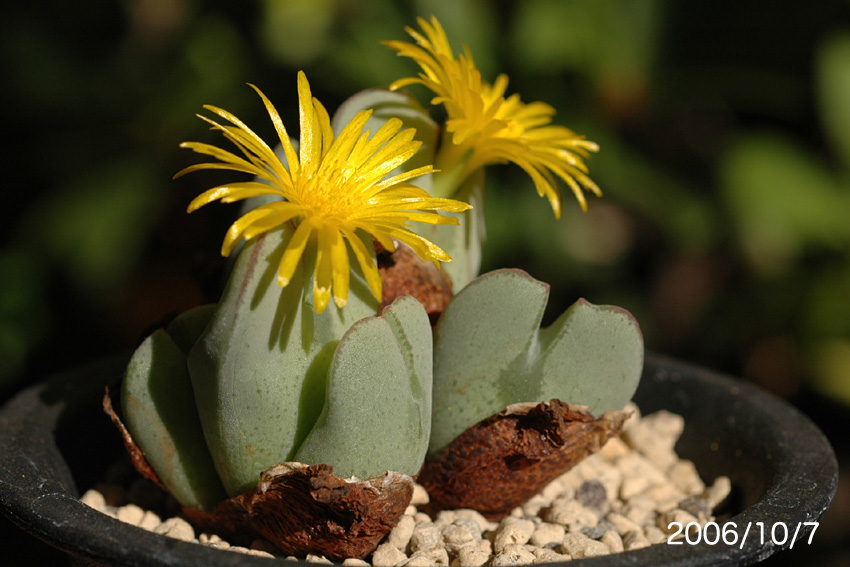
{"points": [[785, 464]]}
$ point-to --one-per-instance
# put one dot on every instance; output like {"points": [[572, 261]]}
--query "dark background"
{"points": [[725, 162]]}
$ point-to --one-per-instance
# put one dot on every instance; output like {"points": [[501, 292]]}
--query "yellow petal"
{"points": [[235, 231], [344, 143], [323, 273], [341, 268], [283, 213], [286, 142], [293, 252], [367, 263], [324, 123], [242, 134], [231, 193], [423, 247], [308, 151], [403, 178]]}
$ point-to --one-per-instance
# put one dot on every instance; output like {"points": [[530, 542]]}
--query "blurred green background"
{"points": [[725, 163]]}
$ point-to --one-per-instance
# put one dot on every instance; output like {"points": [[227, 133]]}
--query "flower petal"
{"points": [[293, 252], [323, 273], [364, 258], [286, 142]]}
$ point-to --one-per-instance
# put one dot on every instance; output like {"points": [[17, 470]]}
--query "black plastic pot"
{"points": [[55, 440]]}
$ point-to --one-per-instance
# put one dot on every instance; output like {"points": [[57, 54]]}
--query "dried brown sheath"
{"points": [[305, 509], [403, 272], [506, 459], [136, 456]]}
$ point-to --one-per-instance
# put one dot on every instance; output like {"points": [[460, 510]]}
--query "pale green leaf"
{"points": [[484, 334], [377, 413], [159, 410], [592, 355]]}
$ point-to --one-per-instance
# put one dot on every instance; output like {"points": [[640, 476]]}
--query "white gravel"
{"points": [[620, 499]]}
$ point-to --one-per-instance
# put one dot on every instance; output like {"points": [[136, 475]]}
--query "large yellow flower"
{"points": [[483, 127], [333, 187]]}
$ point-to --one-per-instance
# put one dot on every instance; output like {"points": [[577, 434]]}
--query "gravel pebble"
{"points": [[177, 528], [420, 496], [635, 540], [388, 555], [613, 540], [592, 494], [599, 529], [669, 520], [685, 477], [547, 555], [94, 499], [513, 554], [664, 496], [580, 546], [425, 536], [401, 534], [622, 524], [130, 514], [512, 531], [695, 506], [571, 514], [472, 556], [717, 492], [547, 534], [225, 545], [428, 558], [460, 534], [655, 534]]}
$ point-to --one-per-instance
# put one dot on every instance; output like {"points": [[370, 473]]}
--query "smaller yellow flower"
{"points": [[483, 127], [332, 188]]}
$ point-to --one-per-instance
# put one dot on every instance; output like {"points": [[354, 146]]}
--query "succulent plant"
{"points": [[276, 384]]}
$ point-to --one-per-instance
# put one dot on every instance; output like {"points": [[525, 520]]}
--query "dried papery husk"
{"points": [[502, 461], [301, 509], [403, 272], [305, 509], [138, 459]]}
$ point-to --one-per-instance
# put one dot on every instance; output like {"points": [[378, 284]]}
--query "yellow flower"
{"points": [[483, 127], [333, 187]]}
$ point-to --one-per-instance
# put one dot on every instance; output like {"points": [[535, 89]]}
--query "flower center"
{"points": [[331, 196]]}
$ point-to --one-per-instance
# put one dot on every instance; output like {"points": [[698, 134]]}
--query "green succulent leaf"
{"points": [[490, 352], [159, 410], [487, 329], [259, 370], [592, 355], [377, 414], [185, 329]]}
